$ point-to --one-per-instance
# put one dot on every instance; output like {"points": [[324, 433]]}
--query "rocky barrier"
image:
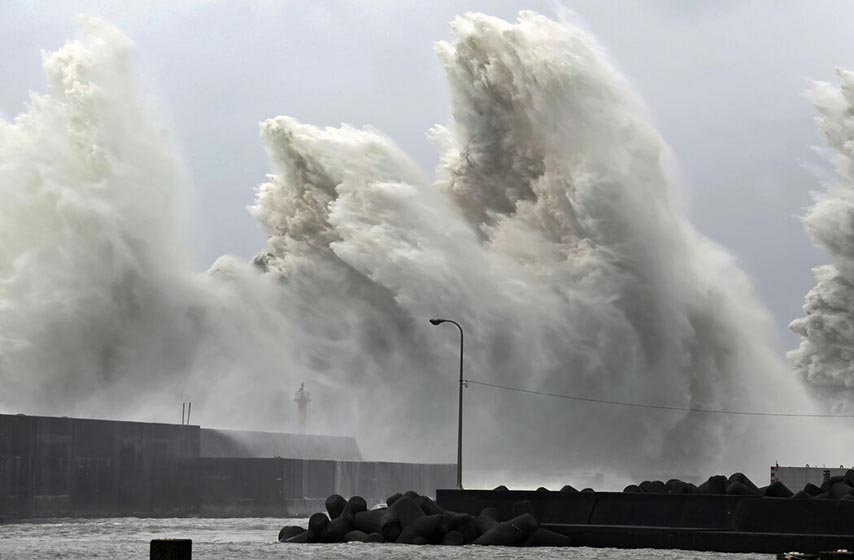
{"points": [[413, 519], [834, 488]]}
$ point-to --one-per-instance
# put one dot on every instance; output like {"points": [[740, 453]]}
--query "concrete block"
{"points": [[171, 549]]}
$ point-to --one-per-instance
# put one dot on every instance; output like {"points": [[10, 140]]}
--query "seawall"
{"points": [[715, 523], [57, 467]]}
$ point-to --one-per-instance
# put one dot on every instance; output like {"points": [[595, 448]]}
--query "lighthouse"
{"points": [[301, 398]]}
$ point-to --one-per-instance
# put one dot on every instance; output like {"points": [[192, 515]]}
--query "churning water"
{"points": [[255, 539]]}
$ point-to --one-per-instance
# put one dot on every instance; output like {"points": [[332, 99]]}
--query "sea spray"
{"points": [[552, 233], [824, 361], [577, 273]]}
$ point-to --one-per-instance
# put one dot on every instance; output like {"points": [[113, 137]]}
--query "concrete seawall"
{"points": [[683, 521], [297, 487], [55, 467]]}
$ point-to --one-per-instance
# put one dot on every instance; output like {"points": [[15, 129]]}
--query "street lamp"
{"points": [[460, 423]]}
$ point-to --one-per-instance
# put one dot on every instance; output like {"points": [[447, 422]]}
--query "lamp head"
{"points": [[437, 321]]}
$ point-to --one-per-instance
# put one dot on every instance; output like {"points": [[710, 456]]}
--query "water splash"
{"points": [[823, 361], [552, 233]]}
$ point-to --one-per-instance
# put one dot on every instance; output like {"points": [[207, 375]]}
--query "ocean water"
{"points": [[255, 539]]}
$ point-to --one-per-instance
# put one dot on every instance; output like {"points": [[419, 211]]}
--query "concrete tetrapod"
{"points": [[335, 504], [317, 525], [355, 536], [289, 531], [356, 504], [414, 519], [368, 521], [509, 533]]}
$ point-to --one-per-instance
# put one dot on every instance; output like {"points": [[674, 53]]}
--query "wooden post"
{"points": [[171, 549]]}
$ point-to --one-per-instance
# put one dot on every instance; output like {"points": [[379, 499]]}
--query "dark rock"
{"points": [[509, 533], [714, 485], [368, 521], [317, 525], [300, 538], [356, 504], [736, 488], [500, 488], [652, 487], [776, 490], [568, 488], [802, 495], [375, 538], [632, 489], [289, 531], [545, 537], [356, 536], [812, 489], [453, 538], [742, 478], [393, 498], [335, 504]]}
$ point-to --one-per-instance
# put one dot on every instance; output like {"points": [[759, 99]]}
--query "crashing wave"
{"points": [[552, 233]]}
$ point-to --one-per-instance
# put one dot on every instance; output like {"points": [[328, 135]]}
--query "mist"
{"points": [[552, 230]]}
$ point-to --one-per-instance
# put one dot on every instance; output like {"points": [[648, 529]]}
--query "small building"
{"points": [[795, 478]]}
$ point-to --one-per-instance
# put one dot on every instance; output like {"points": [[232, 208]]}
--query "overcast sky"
{"points": [[723, 80]]}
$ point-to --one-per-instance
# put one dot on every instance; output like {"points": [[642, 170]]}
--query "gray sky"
{"points": [[723, 80]]}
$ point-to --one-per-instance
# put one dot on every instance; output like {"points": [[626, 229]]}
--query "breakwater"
{"points": [[720, 522], [414, 519], [55, 467]]}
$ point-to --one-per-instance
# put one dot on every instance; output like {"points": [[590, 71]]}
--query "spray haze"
{"points": [[826, 352], [552, 232]]}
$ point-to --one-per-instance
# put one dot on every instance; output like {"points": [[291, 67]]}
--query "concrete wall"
{"points": [[235, 443], [736, 514], [296, 487], [57, 466], [54, 467]]}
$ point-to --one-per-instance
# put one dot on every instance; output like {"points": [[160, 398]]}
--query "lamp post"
{"points": [[460, 422]]}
